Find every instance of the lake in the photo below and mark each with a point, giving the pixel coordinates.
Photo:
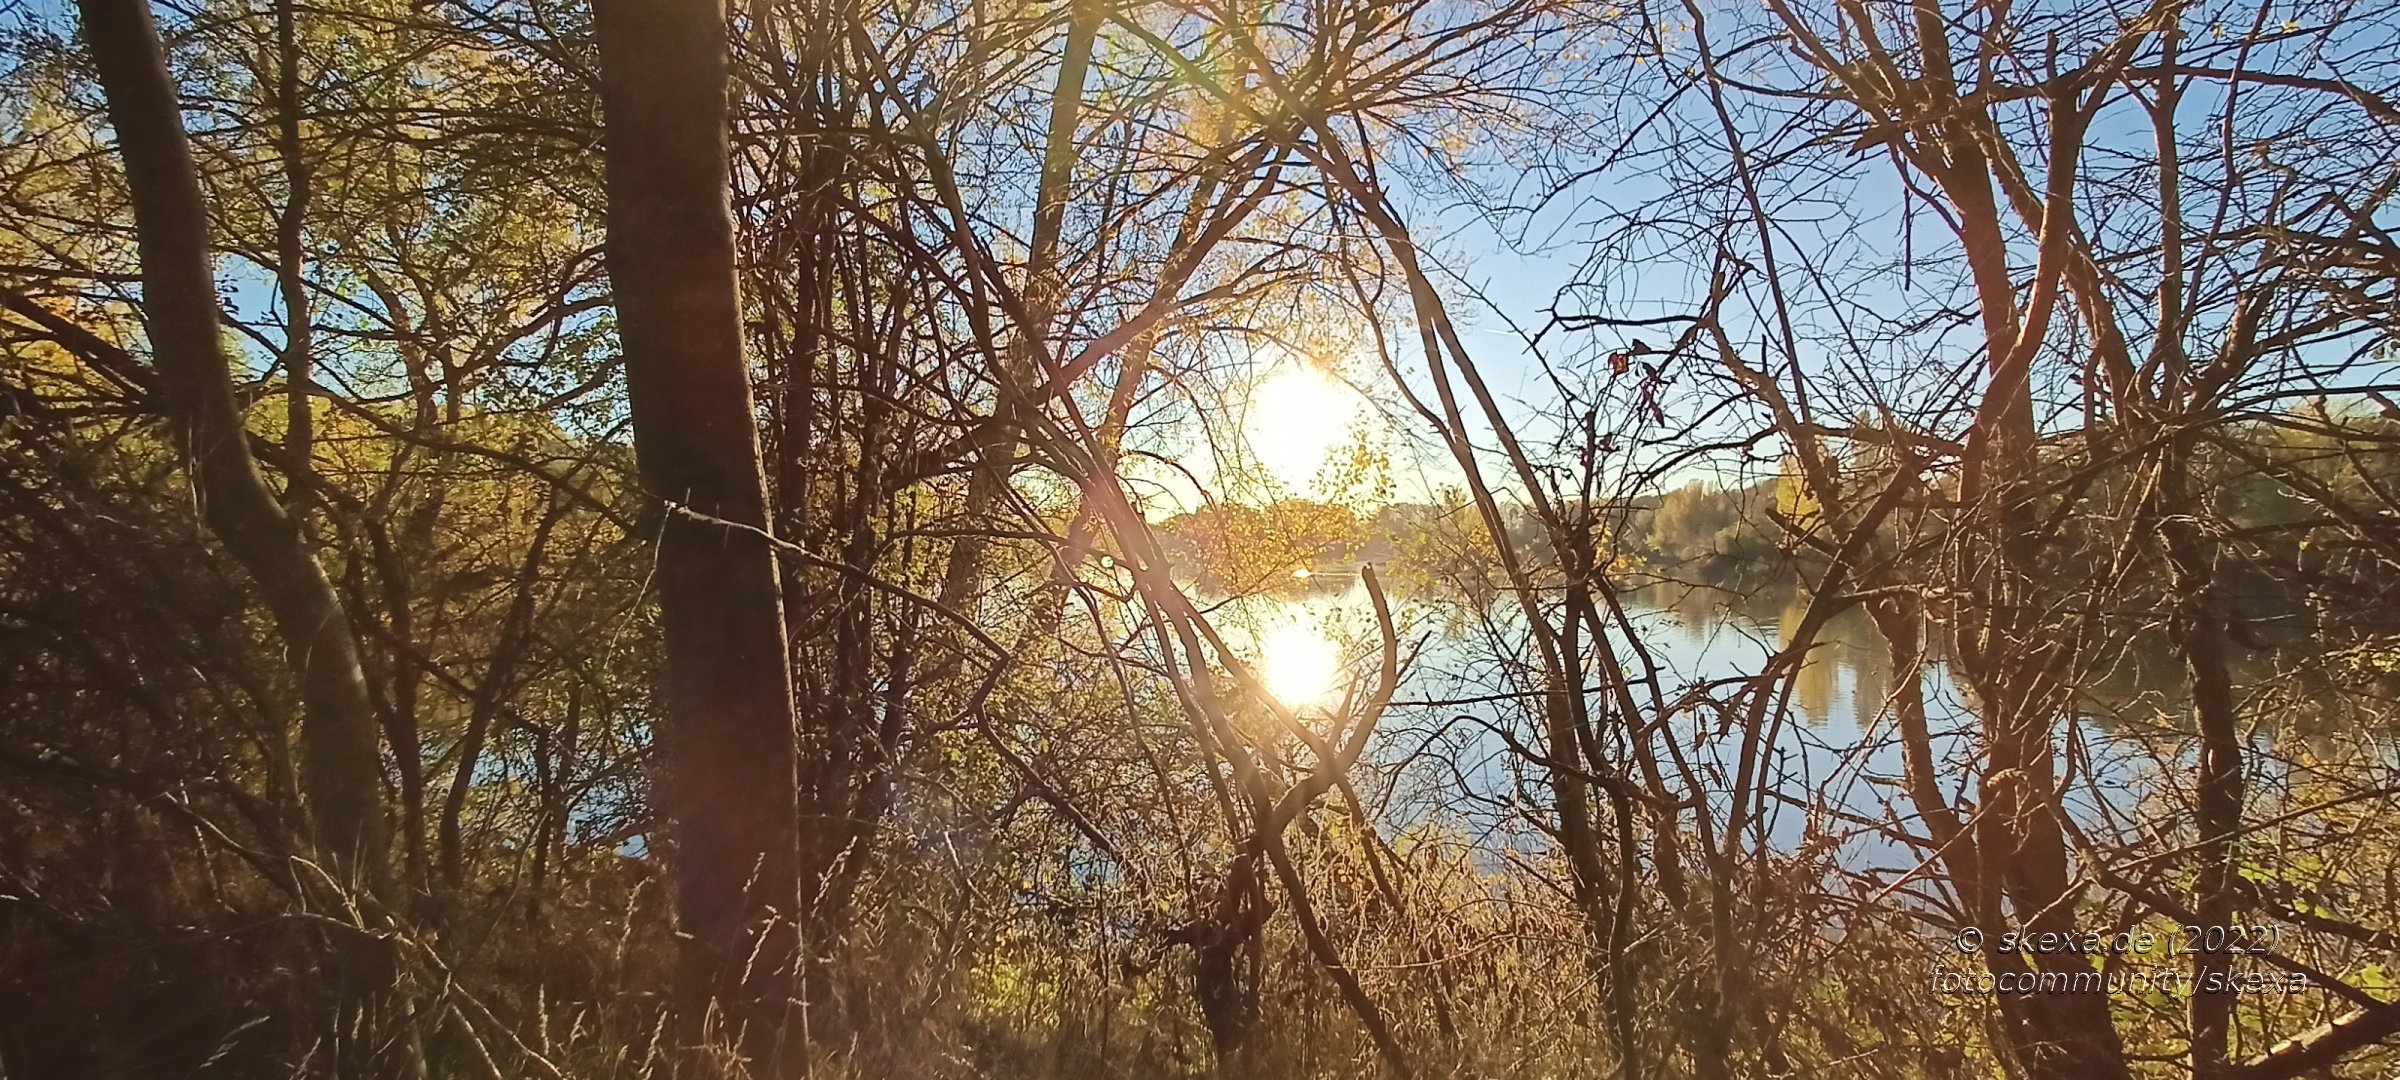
(1443, 752)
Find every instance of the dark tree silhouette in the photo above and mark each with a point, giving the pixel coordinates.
(729, 775)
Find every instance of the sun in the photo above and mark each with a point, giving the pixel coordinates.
(1296, 417)
(1300, 665)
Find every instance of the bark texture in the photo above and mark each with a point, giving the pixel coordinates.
(728, 783)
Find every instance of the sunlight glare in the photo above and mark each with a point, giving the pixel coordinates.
(1297, 417)
(1301, 667)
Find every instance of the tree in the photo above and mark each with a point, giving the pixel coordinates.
(953, 747)
(341, 769)
(728, 781)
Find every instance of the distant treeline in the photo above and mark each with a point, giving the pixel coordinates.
(1761, 536)
(1699, 534)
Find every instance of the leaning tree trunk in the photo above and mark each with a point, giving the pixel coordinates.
(341, 766)
(728, 784)
(340, 762)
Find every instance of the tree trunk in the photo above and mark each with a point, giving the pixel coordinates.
(341, 769)
(728, 782)
(2197, 627)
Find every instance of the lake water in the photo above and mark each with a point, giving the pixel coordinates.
(1834, 765)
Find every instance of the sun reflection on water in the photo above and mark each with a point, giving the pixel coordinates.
(1300, 665)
